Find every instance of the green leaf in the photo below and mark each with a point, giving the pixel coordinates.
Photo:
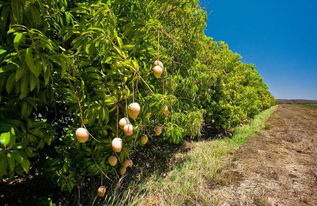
(5, 138)
(25, 163)
(120, 43)
(67, 17)
(97, 29)
(128, 47)
(46, 77)
(24, 86)
(17, 28)
(135, 64)
(2, 51)
(19, 73)
(33, 82)
(11, 162)
(12, 138)
(120, 52)
(25, 109)
(17, 40)
(10, 83)
(108, 59)
(63, 65)
(35, 69)
(87, 47)
(17, 11)
(110, 99)
(35, 13)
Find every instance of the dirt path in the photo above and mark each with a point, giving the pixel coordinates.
(280, 166)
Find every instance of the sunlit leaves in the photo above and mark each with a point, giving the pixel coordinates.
(17, 40)
(5, 138)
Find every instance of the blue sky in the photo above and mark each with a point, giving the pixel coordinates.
(278, 36)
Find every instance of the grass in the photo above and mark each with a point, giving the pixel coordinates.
(313, 106)
(194, 173)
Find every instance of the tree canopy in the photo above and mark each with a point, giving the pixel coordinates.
(66, 64)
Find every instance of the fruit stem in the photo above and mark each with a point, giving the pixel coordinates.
(133, 85)
(93, 157)
(146, 83)
(126, 106)
(82, 120)
(81, 113)
(93, 203)
(91, 134)
(158, 44)
(117, 123)
(163, 83)
(169, 36)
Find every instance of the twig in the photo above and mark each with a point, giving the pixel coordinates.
(93, 157)
(93, 203)
(91, 134)
(145, 83)
(81, 113)
(168, 35)
(117, 120)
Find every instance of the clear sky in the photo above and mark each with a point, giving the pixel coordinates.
(278, 36)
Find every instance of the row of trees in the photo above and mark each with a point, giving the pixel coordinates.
(66, 64)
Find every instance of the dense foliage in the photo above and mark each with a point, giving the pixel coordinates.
(70, 63)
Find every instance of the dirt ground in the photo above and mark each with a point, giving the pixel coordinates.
(279, 167)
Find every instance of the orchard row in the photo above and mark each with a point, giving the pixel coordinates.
(68, 64)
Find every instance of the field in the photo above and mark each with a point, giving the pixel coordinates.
(314, 106)
(296, 101)
(279, 166)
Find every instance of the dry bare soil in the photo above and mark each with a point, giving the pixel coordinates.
(279, 167)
